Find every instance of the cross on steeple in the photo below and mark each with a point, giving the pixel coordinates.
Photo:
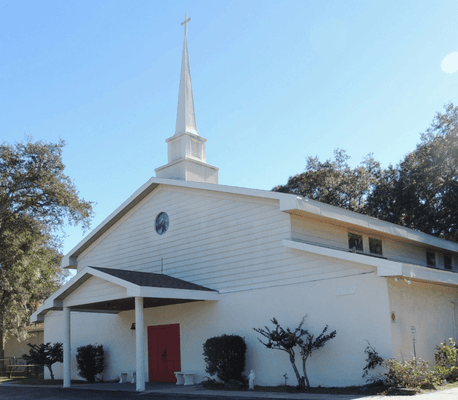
(185, 23)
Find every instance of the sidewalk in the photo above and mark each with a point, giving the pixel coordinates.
(198, 391)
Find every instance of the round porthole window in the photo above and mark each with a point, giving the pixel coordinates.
(162, 223)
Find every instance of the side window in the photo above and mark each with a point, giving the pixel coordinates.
(355, 242)
(447, 261)
(375, 246)
(430, 259)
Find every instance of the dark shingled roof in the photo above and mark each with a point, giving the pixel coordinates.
(151, 280)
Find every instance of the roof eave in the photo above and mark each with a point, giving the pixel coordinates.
(289, 203)
(331, 213)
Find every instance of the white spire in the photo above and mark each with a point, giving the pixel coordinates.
(186, 149)
(186, 118)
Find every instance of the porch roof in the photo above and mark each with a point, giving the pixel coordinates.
(151, 279)
(123, 286)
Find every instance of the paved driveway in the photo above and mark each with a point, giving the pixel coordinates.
(172, 392)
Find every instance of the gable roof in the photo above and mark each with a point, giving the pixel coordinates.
(156, 289)
(150, 279)
(289, 203)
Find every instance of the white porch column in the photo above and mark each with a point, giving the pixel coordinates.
(140, 343)
(67, 342)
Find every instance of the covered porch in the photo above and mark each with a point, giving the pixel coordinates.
(106, 290)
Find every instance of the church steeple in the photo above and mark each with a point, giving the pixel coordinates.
(186, 117)
(186, 149)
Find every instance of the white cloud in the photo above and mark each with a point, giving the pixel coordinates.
(450, 63)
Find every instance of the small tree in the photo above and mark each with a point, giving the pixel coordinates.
(310, 344)
(44, 354)
(286, 340)
(90, 360)
(225, 357)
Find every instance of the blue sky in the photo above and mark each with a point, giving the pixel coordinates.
(274, 82)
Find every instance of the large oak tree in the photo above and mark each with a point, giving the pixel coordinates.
(335, 182)
(421, 192)
(36, 201)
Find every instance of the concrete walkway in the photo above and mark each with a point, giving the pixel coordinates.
(199, 391)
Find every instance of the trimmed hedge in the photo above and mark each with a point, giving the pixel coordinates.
(90, 360)
(225, 357)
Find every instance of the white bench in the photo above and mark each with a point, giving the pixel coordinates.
(125, 375)
(185, 378)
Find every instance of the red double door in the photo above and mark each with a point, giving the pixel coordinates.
(164, 352)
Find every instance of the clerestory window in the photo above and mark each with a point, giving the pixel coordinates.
(431, 259)
(355, 242)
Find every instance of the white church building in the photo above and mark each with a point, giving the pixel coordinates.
(185, 259)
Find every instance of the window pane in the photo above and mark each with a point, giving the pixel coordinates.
(355, 241)
(447, 261)
(375, 246)
(430, 259)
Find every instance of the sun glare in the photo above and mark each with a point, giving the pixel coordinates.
(450, 63)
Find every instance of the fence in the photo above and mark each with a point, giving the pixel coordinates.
(13, 366)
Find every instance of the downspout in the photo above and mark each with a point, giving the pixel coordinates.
(454, 320)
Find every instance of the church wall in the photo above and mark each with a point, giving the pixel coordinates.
(342, 303)
(110, 330)
(430, 309)
(225, 242)
(339, 363)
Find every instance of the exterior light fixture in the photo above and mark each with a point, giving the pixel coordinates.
(132, 327)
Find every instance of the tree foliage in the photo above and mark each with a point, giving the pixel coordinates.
(45, 354)
(421, 192)
(373, 360)
(285, 340)
(446, 358)
(288, 340)
(335, 182)
(36, 200)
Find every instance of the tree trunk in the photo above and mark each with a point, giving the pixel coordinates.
(50, 371)
(2, 342)
(304, 360)
(292, 359)
(2, 346)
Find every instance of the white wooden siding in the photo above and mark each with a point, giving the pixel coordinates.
(94, 290)
(222, 241)
(313, 231)
(325, 234)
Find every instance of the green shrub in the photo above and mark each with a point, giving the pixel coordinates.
(90, 360)
(411, 374)
(373, 360)
(225, 357)
(446, 360)
(414, 373)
